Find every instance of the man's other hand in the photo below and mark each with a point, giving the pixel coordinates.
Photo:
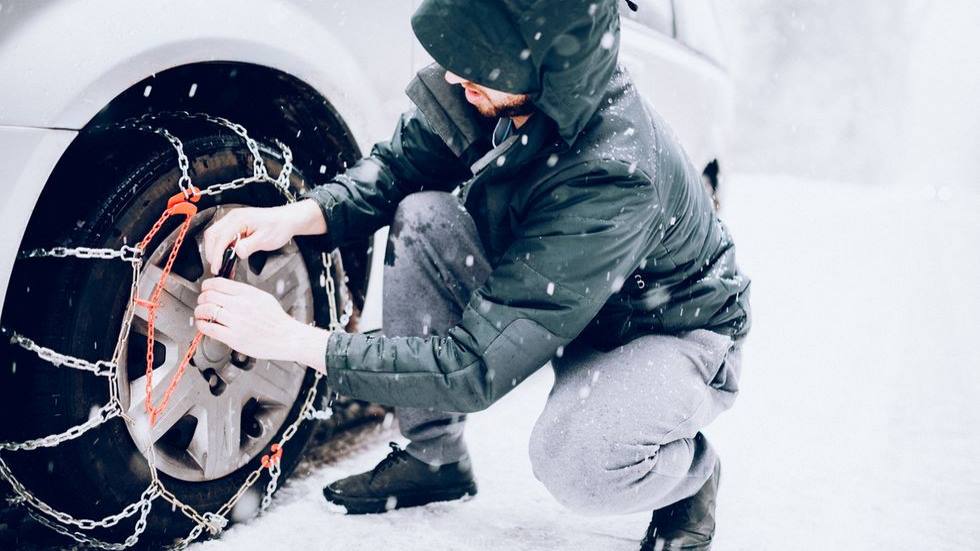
(252, 322)
(262, 229)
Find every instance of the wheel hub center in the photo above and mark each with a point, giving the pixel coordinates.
(212, 353)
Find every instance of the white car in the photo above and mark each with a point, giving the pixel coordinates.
(80, 168)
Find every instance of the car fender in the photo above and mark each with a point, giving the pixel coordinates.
(59, 73)
(693, 94)
(63, 83)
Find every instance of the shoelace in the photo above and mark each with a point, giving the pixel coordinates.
(396, 455)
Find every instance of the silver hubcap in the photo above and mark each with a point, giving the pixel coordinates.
(227, 407)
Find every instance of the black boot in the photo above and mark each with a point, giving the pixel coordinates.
(399, 481)
(688, 524)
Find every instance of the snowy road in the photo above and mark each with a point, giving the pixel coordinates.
(858, 425)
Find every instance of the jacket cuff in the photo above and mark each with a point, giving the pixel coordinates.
(336, 361)
(326, 196)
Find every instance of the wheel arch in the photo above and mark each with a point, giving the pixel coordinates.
(269, 103)
(68, 81)
(96, 80)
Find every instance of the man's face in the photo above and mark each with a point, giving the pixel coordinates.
(492, 103)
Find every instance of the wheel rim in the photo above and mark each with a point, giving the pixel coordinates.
(227, 407)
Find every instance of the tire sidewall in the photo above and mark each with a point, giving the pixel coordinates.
(111, 466)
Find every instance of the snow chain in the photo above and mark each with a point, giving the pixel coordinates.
(213, 522)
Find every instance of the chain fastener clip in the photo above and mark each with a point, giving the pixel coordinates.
(187, 197)
(270, 459)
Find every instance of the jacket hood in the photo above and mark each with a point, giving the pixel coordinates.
(560, 52)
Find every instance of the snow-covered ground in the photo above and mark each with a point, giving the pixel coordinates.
(858, 425)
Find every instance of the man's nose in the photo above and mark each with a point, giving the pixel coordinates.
(453, 78)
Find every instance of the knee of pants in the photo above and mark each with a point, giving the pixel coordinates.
(588, 471)
(418, 212)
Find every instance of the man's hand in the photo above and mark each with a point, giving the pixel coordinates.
(262, 229)
(252, 322)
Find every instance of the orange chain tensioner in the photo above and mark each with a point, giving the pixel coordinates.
(180, 204)
(268, 460)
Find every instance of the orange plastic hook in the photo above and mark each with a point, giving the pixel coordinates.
(269, 459)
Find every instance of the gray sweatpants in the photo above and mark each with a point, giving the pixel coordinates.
(620, 430)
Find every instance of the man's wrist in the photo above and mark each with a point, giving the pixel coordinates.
(307, 217)
(310, 345)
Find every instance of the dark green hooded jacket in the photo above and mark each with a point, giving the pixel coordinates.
(595, 222)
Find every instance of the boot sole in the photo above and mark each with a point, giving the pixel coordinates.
(374, 505)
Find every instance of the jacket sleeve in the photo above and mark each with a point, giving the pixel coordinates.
(579, 240)
(363, 199)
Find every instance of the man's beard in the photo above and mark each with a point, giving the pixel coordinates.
(517, 107)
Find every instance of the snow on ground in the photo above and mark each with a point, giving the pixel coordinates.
(858, 425)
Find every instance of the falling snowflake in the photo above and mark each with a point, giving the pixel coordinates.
(617, 284)
(608, 40)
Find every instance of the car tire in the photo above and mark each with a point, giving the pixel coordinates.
(76, 307)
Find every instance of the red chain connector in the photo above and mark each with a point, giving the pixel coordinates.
(269, 459)
(179, 204)
(192, 195)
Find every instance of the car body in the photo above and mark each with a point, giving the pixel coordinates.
(63, 62)
(325, 78)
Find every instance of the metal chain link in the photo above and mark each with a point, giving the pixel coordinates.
(25, 496)
(328, 283)
(270, 488)
(99, 416)
(214, 522)
(178, 505)
(141, 523)
(101, 368)
(123, 339)
(258, 165)
(139, 124)
(237, 183)
(125, 253)
(319, 414)
(282, 181)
